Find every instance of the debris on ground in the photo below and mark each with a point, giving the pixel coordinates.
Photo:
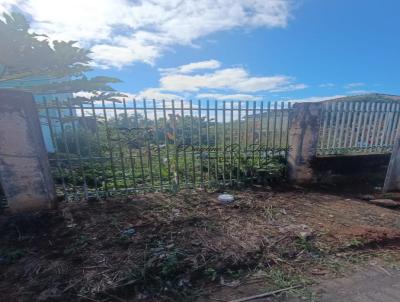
(225, 198)
(390, 203)
(176, 247)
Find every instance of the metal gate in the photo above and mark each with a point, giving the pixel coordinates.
(358, 127)
(111, 146)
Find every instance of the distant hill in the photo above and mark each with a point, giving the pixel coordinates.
(372, 97)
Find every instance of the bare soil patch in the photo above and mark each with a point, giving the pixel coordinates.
(163, 247)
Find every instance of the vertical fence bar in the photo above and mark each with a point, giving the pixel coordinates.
(267, 138)
(78, 147)
(208, 141)
(139, 147)
(131, 160)
(281, 128)
(342, 123)
(147, 139)
(246, 129)
(274, 133)
(325, 112)
(191, 141)
(260, 147)
(239, 146)
(328, 147)
(200, 144)
(370, 126)
(360, 124)
(375, 125)
(184, 143)
(66, 146)
(364, 130)
(216, 139)
(55, 144)
(223, 142)
(391, 124)
(157, 143)
(396, 124)
(110, 149)
(336, 127)
(90, 152)
(347, 127)
(355, 114)
(121, 153)
(177, 177)
(253, 135)
(166, 142)
(385, 126)
(231, 148)
(105, 176)
(287, 133)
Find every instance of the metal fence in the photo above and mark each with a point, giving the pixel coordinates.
(107, 147)
(359, 127)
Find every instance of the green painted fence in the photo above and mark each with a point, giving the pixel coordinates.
(119, 147)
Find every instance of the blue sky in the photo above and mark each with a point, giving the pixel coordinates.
(254, 49)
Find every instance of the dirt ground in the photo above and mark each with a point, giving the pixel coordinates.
(188, 247)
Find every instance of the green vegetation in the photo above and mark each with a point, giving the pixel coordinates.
(62, 65)
(130, 151)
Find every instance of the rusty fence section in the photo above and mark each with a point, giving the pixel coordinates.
(116, 147)
(359, 127)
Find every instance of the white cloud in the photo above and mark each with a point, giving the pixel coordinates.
(230, 97)
(191, 67)
(156, 94)
(235, 79)
(191, 81)
(6, 6)
(357, 84)
(121, 32)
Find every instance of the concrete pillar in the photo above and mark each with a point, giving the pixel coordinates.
(392, 180)
(303, 141)
(24, 167)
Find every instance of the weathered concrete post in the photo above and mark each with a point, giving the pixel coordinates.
(303, 141)
(392, 180)
(24, 167)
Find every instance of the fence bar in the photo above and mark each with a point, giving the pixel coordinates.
(355, 114)
(166, 142)
(139, 147)
(223, 142)
(191, 141)
(176, 176)
(208, 141)
(231, 147)
(200, 143)
(55, 144)
(90, 152)
(131, 160)
(104, 175)
(216, 139)
(157, 142)
(121, 154)
(260, 152)
(239, 146)
(109, 146)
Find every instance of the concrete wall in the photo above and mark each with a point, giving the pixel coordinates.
(392, 181)
(24, 167)
(303, 141)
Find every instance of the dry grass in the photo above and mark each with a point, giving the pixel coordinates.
(161, 247)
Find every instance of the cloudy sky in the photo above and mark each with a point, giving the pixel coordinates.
(231, 49)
